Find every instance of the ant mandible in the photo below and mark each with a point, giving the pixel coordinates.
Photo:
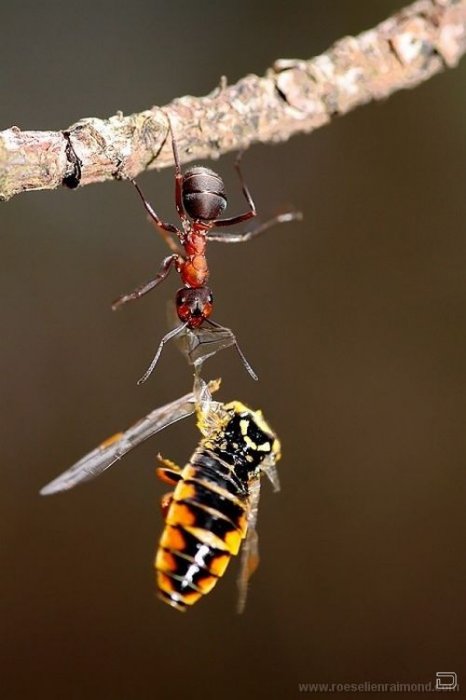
(200, 200)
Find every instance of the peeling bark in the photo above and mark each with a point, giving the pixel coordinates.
(294, 96)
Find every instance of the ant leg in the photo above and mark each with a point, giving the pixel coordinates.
(178, 178)
(165, 339)
(163, 227)
(252, 207)
(244, 236)
(246, 364)
(147, 286)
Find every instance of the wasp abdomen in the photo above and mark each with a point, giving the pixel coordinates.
(205, 525)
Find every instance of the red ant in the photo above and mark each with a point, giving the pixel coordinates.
(200, 199)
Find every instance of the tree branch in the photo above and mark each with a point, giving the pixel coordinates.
(294, 96)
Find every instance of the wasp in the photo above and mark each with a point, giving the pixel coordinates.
(200, 202)
(212, 512)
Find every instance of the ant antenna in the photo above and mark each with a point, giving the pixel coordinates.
(246, 364)
(165, 338)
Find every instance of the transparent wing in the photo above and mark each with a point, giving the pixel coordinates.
(250, 549)
(118, 445)
(200, 344)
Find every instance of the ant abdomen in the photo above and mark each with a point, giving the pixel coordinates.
(203, 194)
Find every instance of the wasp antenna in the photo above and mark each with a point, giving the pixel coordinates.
(164, 340)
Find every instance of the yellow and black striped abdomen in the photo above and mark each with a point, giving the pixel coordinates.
(205, 524)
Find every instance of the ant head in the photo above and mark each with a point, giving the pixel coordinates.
(194, 305)
(203, 194)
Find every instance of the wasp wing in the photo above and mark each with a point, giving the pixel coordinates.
(198, 344)
(250, 549)
(118, 445)
(201, 343)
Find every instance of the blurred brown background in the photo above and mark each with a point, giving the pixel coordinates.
(354, 319)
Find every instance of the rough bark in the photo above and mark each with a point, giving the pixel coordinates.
(294, 96)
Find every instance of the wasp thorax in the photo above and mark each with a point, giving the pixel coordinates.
(203, 194)
(194, 305)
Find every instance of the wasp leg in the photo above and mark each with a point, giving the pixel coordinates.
(169, 473)
(165, 502)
